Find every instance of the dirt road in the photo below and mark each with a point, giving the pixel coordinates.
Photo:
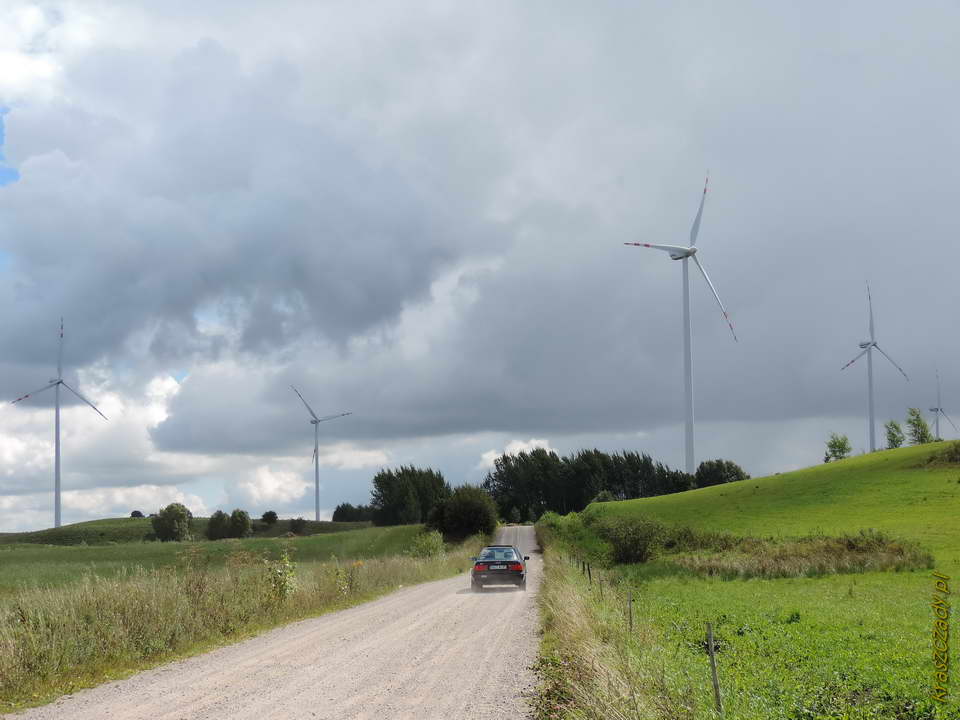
(432, 651)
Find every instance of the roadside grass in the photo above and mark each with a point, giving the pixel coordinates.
(57, 640)
(850, 646)
(124, 530)
(31, 565)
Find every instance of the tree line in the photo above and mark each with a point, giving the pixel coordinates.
(918, 432)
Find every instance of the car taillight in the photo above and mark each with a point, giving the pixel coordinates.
(479, 567)
(516, 566)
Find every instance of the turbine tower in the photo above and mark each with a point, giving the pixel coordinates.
(867, 347)
(315, 421)
(685, 253)
(55, 384)
(938, 411)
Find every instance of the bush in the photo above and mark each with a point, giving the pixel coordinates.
(427, 544)
(172, 523)
(634, 540)
(136, 513)
(298, 525)
(218, 526)
(469, 511)
(604, 496)
(269, 517)
(240, 525)
(717, 472)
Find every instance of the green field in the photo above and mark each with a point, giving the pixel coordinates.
(838, 646)
(121, 530)
(29, 565)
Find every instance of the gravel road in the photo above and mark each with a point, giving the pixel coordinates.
(435, 650)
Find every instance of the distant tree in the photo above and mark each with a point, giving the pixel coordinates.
(894, 434)
(136, 513)
(345, 512)
(172, 523)
(240, 525)
(406, 496)
(468, 511)
(269, 517)
(838, 447)
(218, 526)
(717, 472)
(298, 525)
(513, 516)
(917, 428)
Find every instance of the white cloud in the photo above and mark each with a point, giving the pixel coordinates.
(265, 485)
(514, 447)
(345, 456)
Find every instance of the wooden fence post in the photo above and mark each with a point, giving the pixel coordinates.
(589, 574)
(630, 610)
(713, 669)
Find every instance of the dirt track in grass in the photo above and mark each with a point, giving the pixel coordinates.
(432, 651)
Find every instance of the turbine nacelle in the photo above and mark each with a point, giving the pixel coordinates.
(866, 344)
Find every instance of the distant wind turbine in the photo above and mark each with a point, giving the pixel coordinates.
(55, 384)
(867, 347)
(680, 252)
(316, 447)
(938, 411)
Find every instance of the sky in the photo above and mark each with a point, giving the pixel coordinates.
(417, 214)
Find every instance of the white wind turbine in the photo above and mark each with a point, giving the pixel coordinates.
(680, 252)
(55, 384)
(938, 411)
(867, 347)
(315, 421)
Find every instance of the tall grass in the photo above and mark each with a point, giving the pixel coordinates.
(53, 641)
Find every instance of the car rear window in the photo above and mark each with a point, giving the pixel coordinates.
(498, 554)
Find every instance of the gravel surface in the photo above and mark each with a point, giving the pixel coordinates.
(435, 650)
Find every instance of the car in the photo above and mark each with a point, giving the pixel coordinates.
(499, 565)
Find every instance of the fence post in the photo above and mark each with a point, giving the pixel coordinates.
(600, 585)
(589, 574)
(713, 669)
(630, 609)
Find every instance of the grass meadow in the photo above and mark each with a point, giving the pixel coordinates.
(824, 645)
(77, 616)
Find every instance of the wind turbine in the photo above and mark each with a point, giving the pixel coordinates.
(684, 253)
(316, 447)
(867, 347)
(938, 411)
(55, 384)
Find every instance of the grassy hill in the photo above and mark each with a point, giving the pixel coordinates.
(850, 645)
(31, 564)
(123, 530)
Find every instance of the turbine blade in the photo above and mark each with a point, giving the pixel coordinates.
(309, 409)
(726, 316)
(855, 359)
(949, 420)
(695, 230)
(333, 417)
(24, 397)
(678, 250)
(84, 399)
(891, 361)
(870, 302)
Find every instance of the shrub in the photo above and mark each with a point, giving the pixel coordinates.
(269, 517)
(717, 472)
(137, 514)
(298, 525)
(240, 525)
(218, 526)
(917, 428)
(838, 447)
(172, 523)
(427, 544)
(469, 511)
(633, 540)
(604, 496)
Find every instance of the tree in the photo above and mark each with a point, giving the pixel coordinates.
(468, 511)
(894, 434)
(838, 447)
(345, 512)
(269, 517)
(917, 428)
(717, 472)
(136, 513)
(298, 525)
(172, 523)
(395, 498)
(218, 526)
(240, 525)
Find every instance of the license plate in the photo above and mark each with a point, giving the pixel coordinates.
(498, 567)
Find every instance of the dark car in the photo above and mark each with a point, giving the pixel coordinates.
(499, 565)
